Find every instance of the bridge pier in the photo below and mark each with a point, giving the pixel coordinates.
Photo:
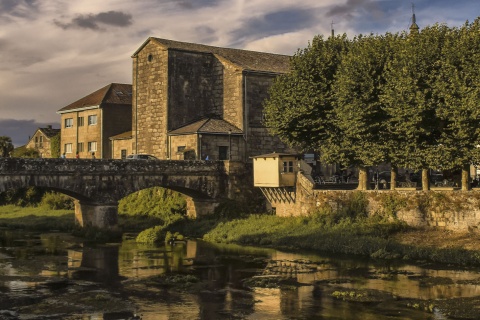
(102, 216)
(200, 207)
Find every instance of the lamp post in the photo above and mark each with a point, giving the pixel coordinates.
(229, 144)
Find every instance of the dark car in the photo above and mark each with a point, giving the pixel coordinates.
(141, 157)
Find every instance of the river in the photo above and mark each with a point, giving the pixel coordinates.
(56, 276)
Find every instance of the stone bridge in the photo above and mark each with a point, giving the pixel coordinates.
(98, 185)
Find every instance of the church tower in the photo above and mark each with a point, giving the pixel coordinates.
(414, 27)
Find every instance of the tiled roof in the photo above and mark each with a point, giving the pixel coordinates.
(122, 136)
(276, 155)
(114, 93)
(212, 126)
(49, 131)
(248, 60)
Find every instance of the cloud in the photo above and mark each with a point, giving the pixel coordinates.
(196, 4)
(18, 8)
(94, 21)
(21, 130)
(274, 23)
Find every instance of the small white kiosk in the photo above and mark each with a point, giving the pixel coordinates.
(275, 174)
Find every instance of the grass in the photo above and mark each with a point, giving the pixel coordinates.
(367, 237)
(36, 218)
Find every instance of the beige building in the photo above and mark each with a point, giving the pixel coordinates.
(121, 145)
(88, 123)
(41, 141)
(275, 170)
(193, 101)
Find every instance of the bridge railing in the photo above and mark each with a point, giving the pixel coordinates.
(46, 166)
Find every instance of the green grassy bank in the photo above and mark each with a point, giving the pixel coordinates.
(156, 213)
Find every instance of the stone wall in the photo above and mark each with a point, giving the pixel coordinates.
(259, 141)
(451, 210)
(193, 90)
(150, 97)
(118, 120)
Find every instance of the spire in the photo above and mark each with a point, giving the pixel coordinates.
(414, 27)
(331, 27)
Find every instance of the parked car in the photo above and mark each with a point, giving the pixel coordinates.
(141, 157)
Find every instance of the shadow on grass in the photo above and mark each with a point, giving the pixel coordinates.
(63, 222)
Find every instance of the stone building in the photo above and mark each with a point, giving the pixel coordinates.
(193, 101)
(41, 141)
(88, 123)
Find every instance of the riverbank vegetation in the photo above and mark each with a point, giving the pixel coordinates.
(156, 213)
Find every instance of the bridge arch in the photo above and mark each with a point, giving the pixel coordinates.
(98, 185)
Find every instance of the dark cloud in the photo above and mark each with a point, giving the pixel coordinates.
(288, 20)
(21, 130)
(347, 9)
(196, 4)
(15, 7)
(95, 21)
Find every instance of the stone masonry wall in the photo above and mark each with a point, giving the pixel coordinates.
(233, 94)
(192, 90)
(259, 141)
(149, 116)
(450, 210)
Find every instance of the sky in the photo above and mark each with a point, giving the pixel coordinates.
(54, 52)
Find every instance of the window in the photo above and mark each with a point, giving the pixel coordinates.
(92, 146)
(36, 142)
(123, 153)
(80, 121)
(69, 123)
(287, 166)
(180, 149)
(68, 148)
(41, 142)
(222, 153)
(80, 147)
(92, 120)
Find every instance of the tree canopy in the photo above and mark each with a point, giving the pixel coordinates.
(6, 146)
(407, 99)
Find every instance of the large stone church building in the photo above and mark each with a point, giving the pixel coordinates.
(193, 101)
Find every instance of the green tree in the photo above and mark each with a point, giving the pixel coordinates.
(412, 122)
(55, 146)
(299, 109)
(457, 93)
(24, 152)
(6, 146)
(359, 114)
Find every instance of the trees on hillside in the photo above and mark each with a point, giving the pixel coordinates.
(407, 99)
(6, 146)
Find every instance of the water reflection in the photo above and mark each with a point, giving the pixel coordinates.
(48, 264)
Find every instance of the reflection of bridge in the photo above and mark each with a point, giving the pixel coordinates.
(98, 185)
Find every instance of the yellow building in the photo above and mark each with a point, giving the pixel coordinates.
(88, 123)
(41, 141)
(275, 170)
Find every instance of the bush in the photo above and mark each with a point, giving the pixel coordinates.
(23, 197)
(151, 235)
(57, 201)
(159, 202)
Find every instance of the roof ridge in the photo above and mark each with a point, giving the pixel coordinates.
(105, 95)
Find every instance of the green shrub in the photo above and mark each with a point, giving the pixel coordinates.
(57, 201)
(155, 201)
(151, 235)
(23, 197)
